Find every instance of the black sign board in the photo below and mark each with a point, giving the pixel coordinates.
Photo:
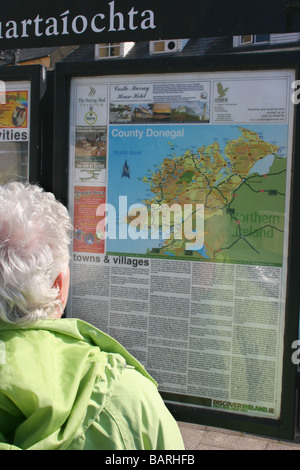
(36, 24)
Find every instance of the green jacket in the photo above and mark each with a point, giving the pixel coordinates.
(66, 385)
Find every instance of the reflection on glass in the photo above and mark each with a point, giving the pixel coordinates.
(13, 161)
(112, 49)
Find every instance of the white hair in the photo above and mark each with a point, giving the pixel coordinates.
(35, 234)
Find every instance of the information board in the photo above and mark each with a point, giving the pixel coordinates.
(14, 130)
(179, 189)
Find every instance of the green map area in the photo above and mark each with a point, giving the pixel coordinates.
(238, 174)
(243, 209)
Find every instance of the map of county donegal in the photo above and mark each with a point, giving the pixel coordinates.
(242, 188)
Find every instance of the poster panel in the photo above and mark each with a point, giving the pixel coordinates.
(14, 131)
(187, 184)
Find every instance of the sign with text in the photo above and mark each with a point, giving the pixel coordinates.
(14, 131)
(64, 22)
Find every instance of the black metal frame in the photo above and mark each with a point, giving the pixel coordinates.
(286, 426)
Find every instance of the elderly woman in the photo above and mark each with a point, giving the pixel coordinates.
(63, 383)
